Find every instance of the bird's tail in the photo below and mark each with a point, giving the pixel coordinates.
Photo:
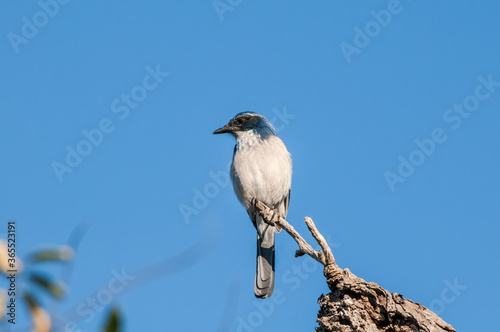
(264, 274)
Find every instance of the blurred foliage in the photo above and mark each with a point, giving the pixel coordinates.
(54, 288)
(37, 285)
(61, 254)
(113, 324)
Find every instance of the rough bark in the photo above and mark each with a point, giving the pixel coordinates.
(354, 304)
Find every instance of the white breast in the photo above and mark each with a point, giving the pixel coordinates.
(262, 169)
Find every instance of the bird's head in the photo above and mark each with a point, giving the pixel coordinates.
(247, 121)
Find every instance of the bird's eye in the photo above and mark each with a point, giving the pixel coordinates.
(238, 121)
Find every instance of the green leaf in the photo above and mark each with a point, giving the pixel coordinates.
(113, 323)
(30, 300)
(56, 289)
(63, 253)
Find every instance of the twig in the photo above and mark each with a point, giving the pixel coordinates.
(321, 240)
(270, 216)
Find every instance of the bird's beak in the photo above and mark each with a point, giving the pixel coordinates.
(223, 130)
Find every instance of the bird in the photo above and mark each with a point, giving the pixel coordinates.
(261, 170)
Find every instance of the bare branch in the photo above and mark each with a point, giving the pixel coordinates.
(274, 219)
(354, 304)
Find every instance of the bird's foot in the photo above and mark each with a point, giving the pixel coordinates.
(271, 216)
(275, 219)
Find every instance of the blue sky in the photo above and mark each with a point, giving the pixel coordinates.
(389, 109)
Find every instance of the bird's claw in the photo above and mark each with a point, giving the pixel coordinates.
(271, 216)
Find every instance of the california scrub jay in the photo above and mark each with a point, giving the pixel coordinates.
(262, 170)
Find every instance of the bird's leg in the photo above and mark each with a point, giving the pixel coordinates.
(276, 218)
(253, 203)
(270, 216)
